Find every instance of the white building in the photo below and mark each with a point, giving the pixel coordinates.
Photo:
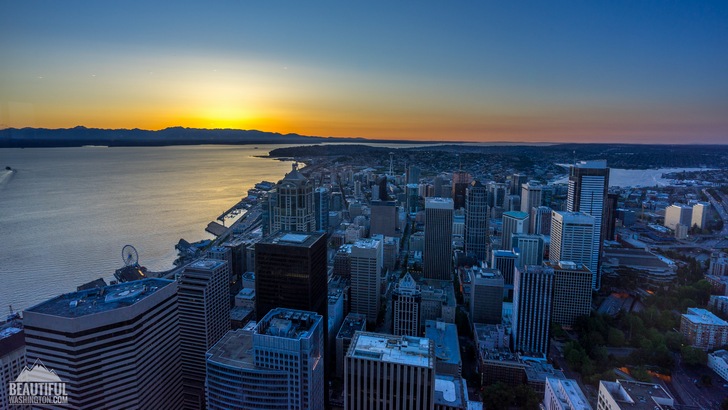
(564, 394)
(389, 372)
(718, 361)
(624, 394)
(514, 222)
(573, 239)
(531, 193)
(704, 330)
(366, 267)
(700, 214)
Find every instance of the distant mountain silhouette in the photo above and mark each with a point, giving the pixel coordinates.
(79, 136)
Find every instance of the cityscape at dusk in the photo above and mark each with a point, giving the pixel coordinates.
(624, 71)
(364, 206)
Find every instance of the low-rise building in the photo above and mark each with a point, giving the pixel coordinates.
(624, 394)
(718, 361)
(447, 347)
(704, 330)
(564, 394)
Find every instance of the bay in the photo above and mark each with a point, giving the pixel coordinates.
(67, 212)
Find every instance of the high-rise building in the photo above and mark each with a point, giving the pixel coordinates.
(532, 304)
(505, 262)
(476, 221)
(572, 239)
(204, 317)
(529, 249)
(610, 216)
(437, 256)
(321, 199)
(700, 214)
(513, 222)
(413, 174)
(413, 198)
(12, 361)
(277, 365)
(572, 292)
(497, 194)
(517, 180)
(460, 182)
(290, 272)
(447, 348)
(292, 204)
(389, 372)
(588, 184)
(366, 270)
(678, 214)
(111, 346)
(383, 218)
(486, 295)
(353, 322)
(703, 329)
(530, 196)
(406, 300)
(540, 220)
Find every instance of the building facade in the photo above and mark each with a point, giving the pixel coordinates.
(572, 239)
(704, 330)
(366, 277)
(532, 306)
(437, 256)
(406, 301)
(291, 204)
(389, 372)
(111, 346)
(514, 222)
(476, 221)
(572, 292)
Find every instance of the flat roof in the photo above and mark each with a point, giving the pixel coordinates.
(407, 350)
(87, 302)
(234, 349)
(639, 395)
(292, 238)
(703, 316)
(573, 394)
(354, 322)
(516, 214)
(206, 264)
(288, 323)
(449, 391)
(445, 337)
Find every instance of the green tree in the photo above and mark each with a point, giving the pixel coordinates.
(616, 337)
(674, 340)
(693, 356)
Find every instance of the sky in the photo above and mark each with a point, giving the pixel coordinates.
(584, 71)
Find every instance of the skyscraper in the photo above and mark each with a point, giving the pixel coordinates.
(460, 182)
(513, 222)
(366, 269)
(322, 198)
(406, 301)
(12, 360)
(572, 239)
(292, 204)
(517, 180)
(383, 218)
(437, 257)
(541, 220)
(204, 317)
(505, 262)
(111, 346)
(389, 372)
(486, 296)
(290, 272)
(588, 184)
(279, 364)
(529, 249)
(572, 292)
(532, 304)
(530, 196)
(476, 221)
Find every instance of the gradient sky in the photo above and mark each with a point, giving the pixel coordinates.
(588, 71)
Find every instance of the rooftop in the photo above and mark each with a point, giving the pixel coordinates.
(516, 214)
(87, 302)
(595, 163)
(568, 393)
(366, 243)
(206, 264)
(354, 322)
(234, 349)
(445, 337)
(439, 203)
(703, 316)
(407, 350)
(292, 239)
(288, 323)
(449, 391)
(638, 395)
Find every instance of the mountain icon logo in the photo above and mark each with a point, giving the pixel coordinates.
(38, 373)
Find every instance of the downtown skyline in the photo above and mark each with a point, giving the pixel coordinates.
(648, 72)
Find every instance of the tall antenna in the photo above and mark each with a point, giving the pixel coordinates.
(391, 163)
